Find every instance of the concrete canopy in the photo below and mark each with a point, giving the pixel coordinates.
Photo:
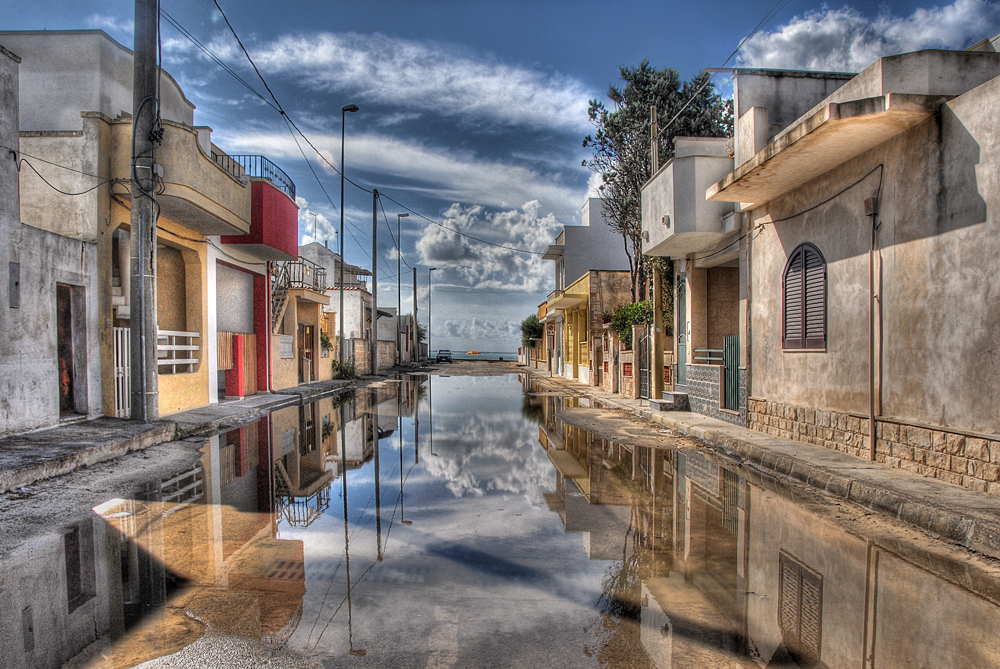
(820, 142)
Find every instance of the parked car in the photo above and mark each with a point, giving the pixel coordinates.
(444, 355)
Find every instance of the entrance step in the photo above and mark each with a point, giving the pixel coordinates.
(671, 402)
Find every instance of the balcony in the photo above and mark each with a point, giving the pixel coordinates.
(274, 221)
(198, 192)
(676, 218)
(307, 281)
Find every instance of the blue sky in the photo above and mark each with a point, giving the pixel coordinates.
(472, 113)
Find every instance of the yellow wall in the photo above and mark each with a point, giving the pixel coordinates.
(180, 392)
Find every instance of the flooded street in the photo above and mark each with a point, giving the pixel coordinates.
(457, 522)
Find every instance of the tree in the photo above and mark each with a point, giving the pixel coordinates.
(531, 328)
(622, 143)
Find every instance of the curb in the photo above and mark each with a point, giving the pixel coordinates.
(156, 433)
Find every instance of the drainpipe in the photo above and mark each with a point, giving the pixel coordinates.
(871, 209)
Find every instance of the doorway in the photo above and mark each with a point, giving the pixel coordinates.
(306, 354)
(64, 349)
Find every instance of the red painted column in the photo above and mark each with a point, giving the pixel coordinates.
(262, 330)
(234, 377)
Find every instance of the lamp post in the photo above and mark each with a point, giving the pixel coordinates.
(340, 314)
(399, 280)
(429, 311)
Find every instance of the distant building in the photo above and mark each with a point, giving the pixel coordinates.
(581, 294)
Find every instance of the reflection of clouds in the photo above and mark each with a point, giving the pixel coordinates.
(485, 450)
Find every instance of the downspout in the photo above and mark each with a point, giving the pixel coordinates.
(871, 209)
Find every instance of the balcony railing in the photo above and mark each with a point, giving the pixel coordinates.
(228, 163)
(259, 166)
(176, 352)
(305, 274)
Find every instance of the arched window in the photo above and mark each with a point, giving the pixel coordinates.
(804, 299)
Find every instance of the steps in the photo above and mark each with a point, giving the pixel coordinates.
(671, 402)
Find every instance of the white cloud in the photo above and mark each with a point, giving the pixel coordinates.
(472, 263)
(442, 78)
(845, 40)
(115, 26)
(450, 175)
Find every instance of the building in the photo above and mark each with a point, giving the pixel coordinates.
(833, 285)
(221, 219)
(581, 252)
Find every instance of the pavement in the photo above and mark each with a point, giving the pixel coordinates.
(964, 517)
(43, 454)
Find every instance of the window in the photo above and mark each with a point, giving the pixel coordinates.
(800, 610)
(804, 301)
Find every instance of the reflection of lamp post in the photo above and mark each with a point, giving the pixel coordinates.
(340, 315)
(429, 310)
(430, 409)
(347, 538)
(378, 493)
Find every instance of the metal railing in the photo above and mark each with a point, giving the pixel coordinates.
(303, 273)
(171, 354)
(259, 166)
(709, 356)
(227, 163)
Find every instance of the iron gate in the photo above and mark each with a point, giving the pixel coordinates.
(642, 352)
(680, 327)
(123, 382)
(731, 360)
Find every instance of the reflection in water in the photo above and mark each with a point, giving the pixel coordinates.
(521, 541)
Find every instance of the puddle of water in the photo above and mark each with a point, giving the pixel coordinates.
(456, 521)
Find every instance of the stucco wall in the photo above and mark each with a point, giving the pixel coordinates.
(939, 240)
(29, 384)
(68, 71)
(235, 300)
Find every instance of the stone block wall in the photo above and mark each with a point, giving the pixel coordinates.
(971, 461)
(703, 394)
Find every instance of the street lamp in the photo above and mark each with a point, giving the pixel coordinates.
(340, 314)
(429, 311)
(399, 280)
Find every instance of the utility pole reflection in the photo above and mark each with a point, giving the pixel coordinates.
(347, 539)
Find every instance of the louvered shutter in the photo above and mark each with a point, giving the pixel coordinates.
(800, 609)
(793, 336)
(804, 306)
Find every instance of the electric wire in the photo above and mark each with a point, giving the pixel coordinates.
(778, 6)
(278, 107)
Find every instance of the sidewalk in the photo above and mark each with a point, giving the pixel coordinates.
(43, 454)
(959, 515)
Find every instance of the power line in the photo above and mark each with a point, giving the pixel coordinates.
(777, 7)
(278, 107)
(397, 244)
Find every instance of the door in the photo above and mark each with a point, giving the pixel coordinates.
(642, 354)
(64, 348)
(680, 327)
(306, 354)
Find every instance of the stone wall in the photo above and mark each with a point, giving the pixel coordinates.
(965, 459)
(703, 394)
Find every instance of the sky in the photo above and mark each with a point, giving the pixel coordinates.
(472, 114)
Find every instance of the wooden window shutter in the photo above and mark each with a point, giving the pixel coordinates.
(800, 609)
(804, 299)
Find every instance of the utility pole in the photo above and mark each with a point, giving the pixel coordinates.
(145, 398)
(374, 341)
(399, 281)
(416, 339)
(654, 131)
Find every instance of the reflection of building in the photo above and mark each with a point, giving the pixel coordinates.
(717, 570)
(203, 540)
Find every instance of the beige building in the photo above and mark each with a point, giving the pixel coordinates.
(837, 275)
(221, 220)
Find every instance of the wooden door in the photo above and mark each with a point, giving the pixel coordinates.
(306, 353)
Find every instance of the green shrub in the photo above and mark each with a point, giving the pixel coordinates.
(627, 315)
(343, 371)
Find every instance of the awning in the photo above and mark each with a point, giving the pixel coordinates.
(828, 138)
(553, 252)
